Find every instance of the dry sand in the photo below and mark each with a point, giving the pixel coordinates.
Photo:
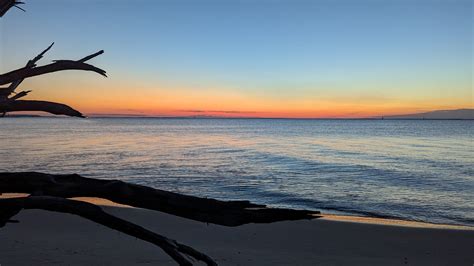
(47, 238)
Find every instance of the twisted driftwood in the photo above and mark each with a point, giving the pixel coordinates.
(227, 213)
(50, 192)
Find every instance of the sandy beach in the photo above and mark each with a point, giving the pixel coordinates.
(47, 238)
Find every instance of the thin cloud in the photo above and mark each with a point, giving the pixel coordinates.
(218, 111)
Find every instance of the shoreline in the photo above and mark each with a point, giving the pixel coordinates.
(323, 216)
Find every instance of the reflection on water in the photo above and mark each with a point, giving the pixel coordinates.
(421, 170)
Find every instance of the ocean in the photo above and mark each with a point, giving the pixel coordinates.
(420, 170)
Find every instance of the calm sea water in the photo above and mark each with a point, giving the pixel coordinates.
(416, 170)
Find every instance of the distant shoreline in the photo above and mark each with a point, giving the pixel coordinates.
(457, 114)
(232, 118)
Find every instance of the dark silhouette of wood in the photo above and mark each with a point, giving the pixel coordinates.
(58, 65)
(227, 213)
(15, 77)
(30, 64)
(49, 107)
(5, 5)
(10, 207)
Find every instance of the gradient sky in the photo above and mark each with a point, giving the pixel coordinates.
(339, 58)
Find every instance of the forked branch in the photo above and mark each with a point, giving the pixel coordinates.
(15, 77)
(58, 65)
(178, 251)
(31, 63)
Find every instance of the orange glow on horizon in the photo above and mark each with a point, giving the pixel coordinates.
(94, 96)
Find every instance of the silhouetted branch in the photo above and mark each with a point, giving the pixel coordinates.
(91, 56)
(10, 207)
(228, 213)
(19, 95)
(59, 65)
(29, 70)
(43, 106)
(17, 76)
(5, 5)
(30, 64)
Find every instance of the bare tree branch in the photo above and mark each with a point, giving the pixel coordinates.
(42, 106)
(5, 5)
(59, 65)
(31, 63)
(90, 56)
(17, 76)
(10, 207)
(227, 213)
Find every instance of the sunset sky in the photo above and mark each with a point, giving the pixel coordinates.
(262, 58)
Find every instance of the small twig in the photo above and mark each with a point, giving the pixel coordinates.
(32, 62)
(90, 56)
(19, 95)
(16, 5)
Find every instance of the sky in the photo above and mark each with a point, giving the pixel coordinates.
(249, 58)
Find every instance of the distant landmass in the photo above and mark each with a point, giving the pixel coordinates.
(458, 114)
(438, 114)
(21, 115)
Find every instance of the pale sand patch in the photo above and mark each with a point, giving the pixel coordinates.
(98, 201)
(393, 222)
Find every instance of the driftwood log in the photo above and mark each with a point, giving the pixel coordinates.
(227, 213)
(53, 192)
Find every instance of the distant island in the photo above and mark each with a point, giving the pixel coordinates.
(21, 115)
(464, 114)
